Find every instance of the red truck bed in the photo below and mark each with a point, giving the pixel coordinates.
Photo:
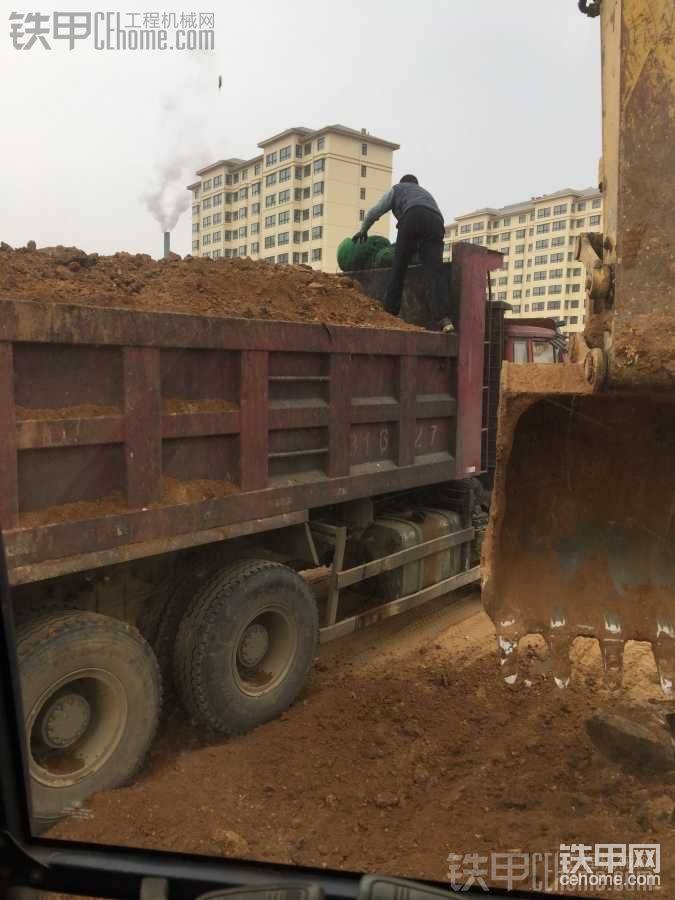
(117, 424)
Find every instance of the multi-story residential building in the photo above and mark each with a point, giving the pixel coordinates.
(294, 202)
(539, 276)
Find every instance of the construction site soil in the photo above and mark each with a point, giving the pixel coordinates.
(241, 288)
(406, 747)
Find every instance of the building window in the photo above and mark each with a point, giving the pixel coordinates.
(581, 204)
(516, 295)
(269, 241)
(307, 148)
(558, 242)
(195, 193)
(517, 279)
(217, 218)
(557, 257)
(305, 257)
(255, 188)
(317, 232)
(206, 221)
(270, 221)
(255, 248)
(317, 187)
(235, 178)
(543, 227)
(271, 159)
(596, 203)
(505, 236)
(362, 194)
(283, 238)
(207, 185)
(297, 236)
(305, 215)
(538, 307)
(555, 273)
(463, 229)
(574, 320)
(520, 233)
(195, 245)
(555, 288)
(255, 209)
(306, 192)
(243, 231)
(298, 172)
(255, 228)
(518, 263)
(541, 245)
(362, 215)
(478, 226)
(560, 225)
(580, 223)
(503, 281)
(576, 288)
(501, 295)
(282, 259)
(195, 227)
(195, 209)
(285, 153)
(316, 254)
(206, 203)
(242, 250)
(364, 171)
(298, 150)
(519, 248)
(594, 220)
(206, 239)
(270, 200)
(285, 174)
(504, 250)
(522, 218)
(305, 236)
(544, 212)
(571, 304)
(539, 276)
(228, 235)
(319, 165)
(285, 196)
(364, 149)
(541, 260)
(560, 210)
(553, 304)
(284, 217)
(320, 142)
(270, 179)
(317, 210)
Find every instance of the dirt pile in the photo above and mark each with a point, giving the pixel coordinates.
(390, 764)
(221, 287)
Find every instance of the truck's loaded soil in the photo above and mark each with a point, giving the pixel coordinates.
(398, 758)
(222, 287)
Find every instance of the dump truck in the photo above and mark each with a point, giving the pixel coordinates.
(165, 479)
(581, 539)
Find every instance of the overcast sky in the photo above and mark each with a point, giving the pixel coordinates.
(492, 101)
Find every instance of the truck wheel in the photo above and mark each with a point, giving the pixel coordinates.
(160, 619)
(246, 645)
(91, 695)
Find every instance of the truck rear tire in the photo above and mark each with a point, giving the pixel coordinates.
(246, 645)
(91, 694)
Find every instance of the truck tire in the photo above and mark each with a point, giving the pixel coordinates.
(246, 645)
(160, 619)
(91, 692)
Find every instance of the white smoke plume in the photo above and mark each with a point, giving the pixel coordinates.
(187, 118)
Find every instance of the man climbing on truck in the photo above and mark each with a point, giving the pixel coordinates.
(420, 229)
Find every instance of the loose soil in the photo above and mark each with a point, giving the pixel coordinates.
(233, 287)
(407, 746)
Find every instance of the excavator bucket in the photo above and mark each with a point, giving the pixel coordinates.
(581, 540)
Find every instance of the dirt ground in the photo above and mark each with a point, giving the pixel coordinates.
(223, 287)
(406, 746)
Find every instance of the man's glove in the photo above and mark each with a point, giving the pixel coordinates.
(360, 237)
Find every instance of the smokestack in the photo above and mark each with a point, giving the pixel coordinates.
(167, 244)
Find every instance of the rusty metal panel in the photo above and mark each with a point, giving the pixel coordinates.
(9, 479)
(143, 435)
(253, 439)
(469, 282)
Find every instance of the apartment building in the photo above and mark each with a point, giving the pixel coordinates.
(539, 276)
(295, 201)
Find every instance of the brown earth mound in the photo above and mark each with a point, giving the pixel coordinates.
(222, 287)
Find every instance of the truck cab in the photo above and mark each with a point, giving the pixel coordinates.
(534, 341)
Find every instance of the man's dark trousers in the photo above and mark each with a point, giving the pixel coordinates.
(420, 230)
